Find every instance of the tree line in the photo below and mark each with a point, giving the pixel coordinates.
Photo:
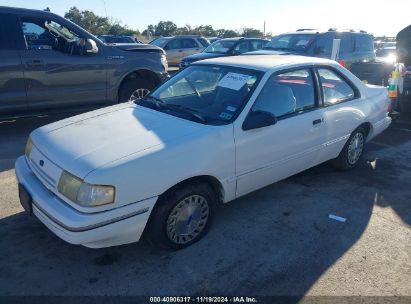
(98, 25)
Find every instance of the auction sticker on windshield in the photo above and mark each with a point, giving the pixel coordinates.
(233, 81)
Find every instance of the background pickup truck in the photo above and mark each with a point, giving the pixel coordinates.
(50, 64)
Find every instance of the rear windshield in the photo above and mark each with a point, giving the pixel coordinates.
(292, 42)
(221, 46)
(159, 42)
(118, 40)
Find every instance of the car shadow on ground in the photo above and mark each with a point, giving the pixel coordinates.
(275, 241)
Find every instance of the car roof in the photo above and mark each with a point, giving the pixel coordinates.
(240, 38)
(265, 62)
(18, 10)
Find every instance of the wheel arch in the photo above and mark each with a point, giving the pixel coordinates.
(139, 73)
(212, 181)
(367, 127)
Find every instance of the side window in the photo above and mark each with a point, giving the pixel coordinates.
(287, 93)
(346, 45)
(256, 45)
(173, 44)
(324, 44)
(203, 42)
(364, 43)
(242, 47)
(8, 35)
(42, 34)
(335, 88)
(189, 43)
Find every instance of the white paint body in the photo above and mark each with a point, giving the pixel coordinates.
(143, 153)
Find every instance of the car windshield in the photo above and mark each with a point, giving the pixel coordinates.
(293, 42)
(221, 46)
(159, 42)
(205, 94)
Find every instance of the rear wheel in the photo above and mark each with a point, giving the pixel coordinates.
(351, 154)
(182, 217)
(134, 89)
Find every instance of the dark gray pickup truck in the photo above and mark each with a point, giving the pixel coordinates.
(49, 64)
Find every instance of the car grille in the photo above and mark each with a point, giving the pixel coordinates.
(44, 169)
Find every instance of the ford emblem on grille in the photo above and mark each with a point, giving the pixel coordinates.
(41, 162)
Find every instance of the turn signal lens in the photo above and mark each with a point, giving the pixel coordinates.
(29, 146)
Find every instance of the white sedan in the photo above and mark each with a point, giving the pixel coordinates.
(215, 131)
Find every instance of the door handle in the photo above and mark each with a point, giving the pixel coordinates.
(318, 121)
(35, 62)
(180, 51)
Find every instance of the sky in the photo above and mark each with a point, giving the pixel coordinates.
(379, 17)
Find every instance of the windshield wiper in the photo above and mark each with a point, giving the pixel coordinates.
(160, 104)
(153, 100)
(193, 113)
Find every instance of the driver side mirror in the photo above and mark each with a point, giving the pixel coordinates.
(259, 119)
(91, 46)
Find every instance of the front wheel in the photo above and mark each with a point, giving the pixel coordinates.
(134, 89)
(351, 154)
(182, 217)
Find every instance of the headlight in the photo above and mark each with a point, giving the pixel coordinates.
(85, 194)
(29, 146)
(164, 61)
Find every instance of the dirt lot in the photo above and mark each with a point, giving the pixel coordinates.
(276, 241)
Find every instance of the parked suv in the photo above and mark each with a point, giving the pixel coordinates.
(178, 47)
(49, 63)
(226, 47)
(355, 46)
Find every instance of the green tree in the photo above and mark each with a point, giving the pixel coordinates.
(205, 30)
(165, 28)
(250, 32)
(97, 25)
(224, 33)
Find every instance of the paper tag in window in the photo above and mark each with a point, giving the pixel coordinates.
(233, 81)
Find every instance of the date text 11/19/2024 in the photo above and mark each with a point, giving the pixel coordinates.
(203, 299)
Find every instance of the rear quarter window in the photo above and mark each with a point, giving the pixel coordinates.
(203, 42)
(335, 88)
(9, 37)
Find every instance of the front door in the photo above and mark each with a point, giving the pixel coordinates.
(293, 144)
(174, 51)
(12, 90)
(58, 70)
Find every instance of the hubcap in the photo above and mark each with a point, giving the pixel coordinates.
(187, 219)
(355, 148)
(138, 94)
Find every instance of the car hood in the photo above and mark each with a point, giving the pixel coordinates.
(86, 142)
(269, 52)
(201, 56)
(136, 47)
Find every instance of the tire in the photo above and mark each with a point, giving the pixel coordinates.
(137, 86)
(164, 229)
(347, 159)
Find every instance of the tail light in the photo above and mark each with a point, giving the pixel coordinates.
(342, 63)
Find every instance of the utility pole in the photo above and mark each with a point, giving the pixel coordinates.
(264, 28)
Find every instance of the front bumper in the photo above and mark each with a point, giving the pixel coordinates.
(95, 230)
